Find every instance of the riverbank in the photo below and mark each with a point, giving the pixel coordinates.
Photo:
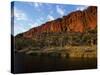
(66, 51)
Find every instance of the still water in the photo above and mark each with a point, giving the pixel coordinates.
(27, 63)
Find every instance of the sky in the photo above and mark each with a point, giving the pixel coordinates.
(32, 14)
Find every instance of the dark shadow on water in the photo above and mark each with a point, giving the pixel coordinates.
(30, 63)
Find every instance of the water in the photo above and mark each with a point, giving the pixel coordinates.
(28, 63)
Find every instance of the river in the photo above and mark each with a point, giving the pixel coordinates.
(27, 63)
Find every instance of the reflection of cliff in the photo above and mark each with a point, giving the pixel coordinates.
(78, 21)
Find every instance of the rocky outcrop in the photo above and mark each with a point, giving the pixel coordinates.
(78, 21)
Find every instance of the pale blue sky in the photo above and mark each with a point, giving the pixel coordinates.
(31, 14)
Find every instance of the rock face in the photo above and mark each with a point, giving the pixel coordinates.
(78, 21)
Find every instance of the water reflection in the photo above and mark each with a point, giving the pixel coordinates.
(33, 63)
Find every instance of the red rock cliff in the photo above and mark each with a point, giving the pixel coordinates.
(78, 21)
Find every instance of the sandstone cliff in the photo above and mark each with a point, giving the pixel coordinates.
(77, 21)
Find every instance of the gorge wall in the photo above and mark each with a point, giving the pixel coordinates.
(77, 21)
